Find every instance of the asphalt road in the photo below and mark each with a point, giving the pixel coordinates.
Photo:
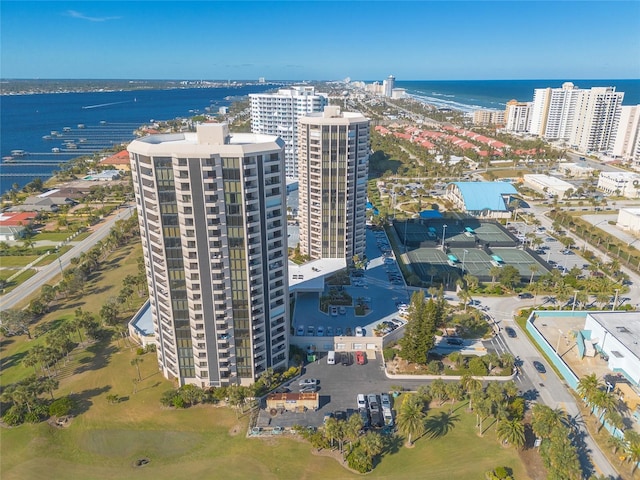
(48, 272)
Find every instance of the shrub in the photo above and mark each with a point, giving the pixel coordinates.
(14, 416)
(389, 354)
(61, 407)
(140, 351)
(477, 366)
(178, 402)
(359, 460)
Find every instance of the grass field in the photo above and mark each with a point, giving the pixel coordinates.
(103, 441)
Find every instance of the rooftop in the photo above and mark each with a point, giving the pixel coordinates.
(624, 326)
(479, 196)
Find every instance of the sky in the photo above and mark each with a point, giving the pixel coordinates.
(320, 40)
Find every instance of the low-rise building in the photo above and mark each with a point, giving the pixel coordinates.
(574, 169)
(547, 184)
(629, 220)
(624, 184)
(481, 199)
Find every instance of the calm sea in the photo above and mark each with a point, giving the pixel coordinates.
(108, 118)
(469, 95)
(111, 117)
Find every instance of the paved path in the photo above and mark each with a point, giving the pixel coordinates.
(48, 272)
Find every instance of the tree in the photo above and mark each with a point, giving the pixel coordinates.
(61, 407)
(587, 386)
(411, 419)
(494, 271)
(136, 363)
(191, 394)
(15, 322)
(546, 419)
(483, 408)
(419, 335)
(512, 432)
(509, 276)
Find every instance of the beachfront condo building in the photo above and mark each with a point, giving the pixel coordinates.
(212, 213)
(388, 85)
(553, 111)
(627, 142)
(278, 114)
(517, 116)
(333, 156)
(596, 119)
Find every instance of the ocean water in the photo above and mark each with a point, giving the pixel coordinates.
(469, 95)
(111, 117)
(108, 117)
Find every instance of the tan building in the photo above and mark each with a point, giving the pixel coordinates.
(333, 167)
(488, 117)
(212, 213)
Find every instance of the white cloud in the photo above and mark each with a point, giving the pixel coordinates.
(81, 16)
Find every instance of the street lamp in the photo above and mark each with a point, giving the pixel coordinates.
(575, 298)
(59, 261)
(464, 256)
(615, 300)
(444, 231)
(558, 344)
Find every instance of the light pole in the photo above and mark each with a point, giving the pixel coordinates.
(575, 298)
(60, 261)
(615, 300)
(444, 232)
(464, 256)
(558, 344)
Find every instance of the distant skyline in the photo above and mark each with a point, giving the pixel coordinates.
(320, 40)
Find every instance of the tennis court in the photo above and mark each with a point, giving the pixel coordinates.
(428, 262)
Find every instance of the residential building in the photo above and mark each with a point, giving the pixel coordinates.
(597, 114)
(333, 164)
(624, 184)
(626, 144)
(547, 184)
(388, 85)
(572, 169)
(212, 213)
(553, 110)
(488, 117)
(481, 199)
(517, 116)
(278, 114)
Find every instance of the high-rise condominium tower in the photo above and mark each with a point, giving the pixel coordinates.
(333, 156)
(213, 224)
(278, 114)
(597, 118)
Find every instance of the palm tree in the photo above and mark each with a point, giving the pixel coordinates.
(483, 408)
(371, 444)
(511, 431)
(455, 392)
(546, 419)
(494, 271)
(136, 363)
(632, 451)
(587, 387)
(533, 268)
(411, 419)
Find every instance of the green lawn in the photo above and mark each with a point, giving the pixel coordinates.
(52, 236)
(103, 440)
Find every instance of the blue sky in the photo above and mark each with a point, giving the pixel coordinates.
(323, 40)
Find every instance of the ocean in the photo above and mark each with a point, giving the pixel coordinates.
(111, 117)
(469, 95)
(107, 118)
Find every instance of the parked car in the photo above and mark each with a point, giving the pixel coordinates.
(309, 389)
(342, 310)
(338, 331)
(385, 401)
(539, 367)
(361, 401)
(334, 311)
(300, 331)
(360, 358)
(311, 330)
(359, 332)
(308, 382)
(347, 359)
(320, 331)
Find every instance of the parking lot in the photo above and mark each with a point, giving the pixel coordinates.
(338, 387)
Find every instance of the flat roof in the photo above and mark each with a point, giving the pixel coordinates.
(479, 196)
(623, 326)
(547, 180)
(309, 277)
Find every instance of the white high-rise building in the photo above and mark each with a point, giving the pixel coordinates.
(518, 116)
(334, 162)
(278, 114)
(597, 114)
(212, 212)
(627, 139)
(553, 110)
(388, 85)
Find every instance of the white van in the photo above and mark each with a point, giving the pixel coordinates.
(331, 358)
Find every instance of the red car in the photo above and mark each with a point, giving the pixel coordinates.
(360, 358)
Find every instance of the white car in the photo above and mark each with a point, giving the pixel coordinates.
(320, 331)
(362, 403)
(343, 311)
(308, 382)
(334, 311)
(300, 331)
(359, 332)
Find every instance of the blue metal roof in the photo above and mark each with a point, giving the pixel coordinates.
(480, 196)
(430, 214)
